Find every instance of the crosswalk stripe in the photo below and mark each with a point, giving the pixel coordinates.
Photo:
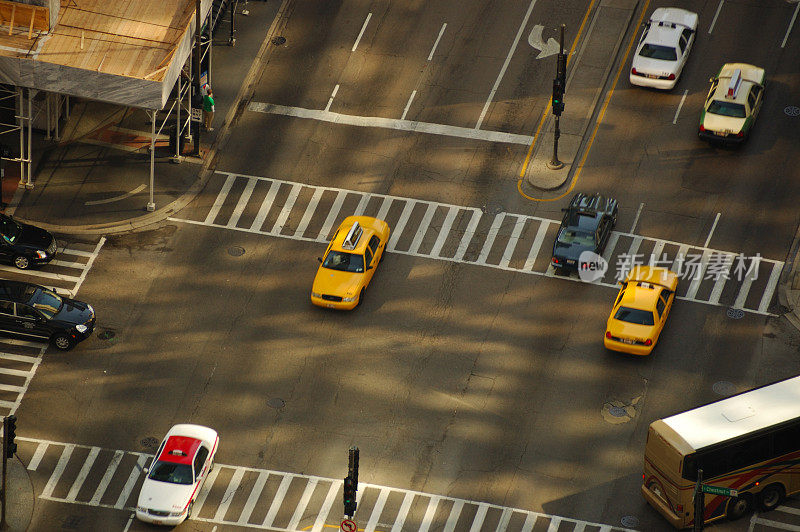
(300, 509)
(255, 493)
(537, 244)
(423, 228)
(19, 358)
(452, 212)
(655, 256)
(386, 204)
(322, 516)
(722, 277)
(11, 388)
(133, 476)
(772, 282)
(58, 471)
(242, 203)
(82, 474)
(9, 404)
(788, 510)
(67, 264)
(744, 290)
(306, 219)
(452, 519)
(334, 212)
(487, 244)
(106, 480)
(530, 520)
(555, 522)
(633, 250)
(377, 510)
(77, 252)
(15, 372)
(287, 209)
(266, 204)
(277, 501)
(677, 264)
(227, 498)
(605, 528)
(480, 515)
(512, 242)
(220, 199)
(505, 517)
(44, 274)
(698, 275)
(468, 234)
(579, 527)
(775, 524)
(37, 456)
(610, 245)
(403, 513)
(362, 205)
(200, 500)
(400, 225)
(429, 513)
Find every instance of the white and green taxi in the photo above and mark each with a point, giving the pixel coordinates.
(732, 103)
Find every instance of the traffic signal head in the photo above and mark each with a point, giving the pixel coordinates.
(352, 467)
(561, 67)
(558, 97)
(350, 488)
(9, 434)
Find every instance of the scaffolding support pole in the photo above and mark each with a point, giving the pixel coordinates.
(30, 137)
(47, 103)
(151, 206)
(21, 137)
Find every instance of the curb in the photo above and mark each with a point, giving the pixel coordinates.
(209, 164)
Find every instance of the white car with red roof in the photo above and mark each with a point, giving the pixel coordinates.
(176, 475)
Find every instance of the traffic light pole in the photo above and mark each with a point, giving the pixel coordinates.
(559, 87)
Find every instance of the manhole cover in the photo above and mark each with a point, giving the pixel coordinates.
(277, 41)
(106, 335)
(492, 208)
(149, 442)
(723, 388)
(617, 411)
(236, 251)
(276, 403)
(629, 521)
(735, 313)
(792, 110)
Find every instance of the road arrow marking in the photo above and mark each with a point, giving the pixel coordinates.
(545, 49)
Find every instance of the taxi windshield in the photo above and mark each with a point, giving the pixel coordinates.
(345, 262)
(719, 107)
(171, 472)
(657, 51)
(46, 301)
(571, 237)
(634, 315)
(9, 230)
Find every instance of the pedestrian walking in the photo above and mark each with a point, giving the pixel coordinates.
(208, 109)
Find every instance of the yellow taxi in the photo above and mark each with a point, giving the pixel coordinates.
(641, 310)
(350, 262)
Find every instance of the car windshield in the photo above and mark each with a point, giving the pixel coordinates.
(570, 237)
(171, 472)
(346, 262)
(9, 229)
(46, 301)
(634, 315)
(657, 51)
(719, 107)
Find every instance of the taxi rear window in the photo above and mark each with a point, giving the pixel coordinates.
(634, 315)
(719, 107)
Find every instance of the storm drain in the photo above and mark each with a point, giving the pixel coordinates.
(236, 251)
(276, 402)
(629, 521)
(149, 442)
(106, 335)
(277, 41)
(616, 412)
(735, 313)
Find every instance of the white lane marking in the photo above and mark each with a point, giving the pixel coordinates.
(89, 264)
(19, 358)
(82, 474)
(680, 105)
(580, 527)
(11, 405)
(771, 284)
(40, 273)
(505, 64)
(698, 275)
(655, 256)
(722, 277)
(505, 517)
(117, 198)
(266, 204)
(788, 510)
(107, 476)
(530, 520)
(636, 219)
(131, 482)
(58, 471)
(386, 204)
(403, 513)
(710, 233)
(221, 196)
(452, 212)
(680, 258)
(362, 205)
(252, 500)
(361, 33)
(537, 244)
(67, 264)
(227, 498)
(37, 456)
(400, 225)
(287, 209)
(334, 212)
(205, 490)
(11, 388)
(24, 343)
(408, 104)
(634, 247)
(452, 519)
(429, 513)
(312, 206)
(277, 501)
(300, 509)
(487, 244)
(377, 510)
(480, 515)
(392, 123)
(744, 290)
(791, 25)
(776, 524)
(714, 20)
(242, 203)
(322, 516)
(512, 242)
(330, 100)
(555, 522)
(78, 252)
(423, 228)
(468, 234)
(441, 32)
(15, 372)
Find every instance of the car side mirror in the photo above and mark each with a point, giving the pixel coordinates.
(319, 259)
(146, 470)
(369, 267)
(621, 283)
(711, 80)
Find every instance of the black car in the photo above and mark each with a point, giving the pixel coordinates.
(586, 226)
(24, 245)
(34, 312)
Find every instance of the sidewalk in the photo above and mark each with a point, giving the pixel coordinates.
(20, 503)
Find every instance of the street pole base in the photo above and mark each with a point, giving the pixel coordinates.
(555, 165)
(151, 206)
(176, 159)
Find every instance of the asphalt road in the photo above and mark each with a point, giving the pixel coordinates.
(464, 379)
